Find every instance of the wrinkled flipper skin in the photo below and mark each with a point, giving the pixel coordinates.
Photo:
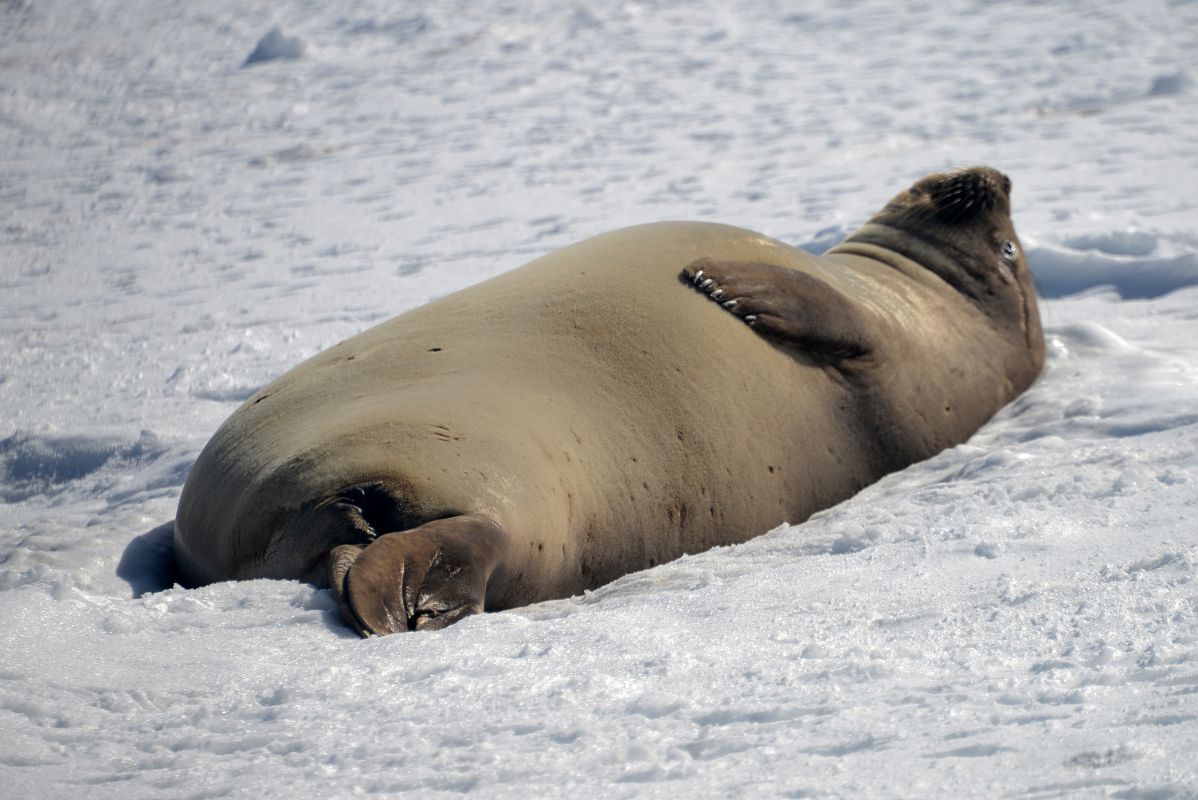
(797, 309)
(422, 579)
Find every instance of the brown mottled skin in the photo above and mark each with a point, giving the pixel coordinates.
(591, 414)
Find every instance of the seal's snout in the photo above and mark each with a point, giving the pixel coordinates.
(964, 194)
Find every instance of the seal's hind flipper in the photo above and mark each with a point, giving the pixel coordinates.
(798, 309)
(421, 579)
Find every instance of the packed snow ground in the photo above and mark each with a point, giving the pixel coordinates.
(1015, 617)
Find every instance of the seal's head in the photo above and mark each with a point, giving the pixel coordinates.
(958, 226)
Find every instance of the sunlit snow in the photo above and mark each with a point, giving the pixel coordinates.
(1015, 617)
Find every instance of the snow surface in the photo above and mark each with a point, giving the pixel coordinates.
(275, 45)
(1015, 617)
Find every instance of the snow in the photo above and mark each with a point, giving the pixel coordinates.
(1015, 617)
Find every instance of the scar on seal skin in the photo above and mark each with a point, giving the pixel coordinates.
(590, 414)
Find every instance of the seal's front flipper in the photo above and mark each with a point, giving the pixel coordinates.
(422, 579)
(799, 309)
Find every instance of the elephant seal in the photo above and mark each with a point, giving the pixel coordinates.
(591, 414)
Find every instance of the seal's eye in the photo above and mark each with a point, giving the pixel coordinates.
(1009, 251)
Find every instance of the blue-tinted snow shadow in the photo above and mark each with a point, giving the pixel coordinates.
(1060, 271)
(35, 464)
(148, 563)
